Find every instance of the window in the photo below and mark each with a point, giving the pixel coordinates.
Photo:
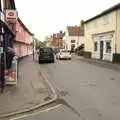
(72, 47)
(108, 46)
(87, 26)
(72, 41)
(95, 46)
(95, 23)
(106, 19)
(11, 25)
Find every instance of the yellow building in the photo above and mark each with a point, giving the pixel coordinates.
(102, 35)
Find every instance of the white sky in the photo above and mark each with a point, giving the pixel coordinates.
(44, 17)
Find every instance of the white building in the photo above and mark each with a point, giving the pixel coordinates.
(74, 37)
(102, 35)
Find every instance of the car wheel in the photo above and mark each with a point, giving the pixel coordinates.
(53, 61)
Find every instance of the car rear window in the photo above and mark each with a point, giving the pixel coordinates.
(46, 51)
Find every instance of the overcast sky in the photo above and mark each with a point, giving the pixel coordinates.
(44, 17)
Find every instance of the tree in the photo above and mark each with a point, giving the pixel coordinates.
(38, 44)
(81, 22)
(80, 48)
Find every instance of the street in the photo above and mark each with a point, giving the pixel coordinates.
(53, 68)
(85, 91)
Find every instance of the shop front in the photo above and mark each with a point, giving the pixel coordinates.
(11, 65)
(103, 46)
(8, 61)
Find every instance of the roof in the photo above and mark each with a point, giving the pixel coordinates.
(115, 7)
(75, 30)
(25, 27)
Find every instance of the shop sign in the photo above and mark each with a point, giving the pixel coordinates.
(11, 15)
(2, 17)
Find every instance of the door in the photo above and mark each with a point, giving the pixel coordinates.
(101, 49)
(72, 47)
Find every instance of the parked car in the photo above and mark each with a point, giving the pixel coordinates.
(63, 54)
(56, 50)
(46, 54)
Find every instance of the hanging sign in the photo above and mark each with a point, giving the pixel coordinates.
(11, 15)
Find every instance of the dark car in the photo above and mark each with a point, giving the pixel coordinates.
(46, 54)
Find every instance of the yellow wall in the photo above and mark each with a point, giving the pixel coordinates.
(97, 26)
(118, 32)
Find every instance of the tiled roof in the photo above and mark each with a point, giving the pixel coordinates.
(75, 31)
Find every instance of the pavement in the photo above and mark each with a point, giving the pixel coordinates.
(31, 91)
(100, 63)
(59, 112)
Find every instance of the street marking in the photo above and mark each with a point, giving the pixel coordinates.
(33, 114)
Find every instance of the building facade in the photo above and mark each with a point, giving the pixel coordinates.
(8, 16)
(54, 41)
(23, 41)
(102, 35)
(74, 37)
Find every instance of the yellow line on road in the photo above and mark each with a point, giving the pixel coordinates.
(36, 113)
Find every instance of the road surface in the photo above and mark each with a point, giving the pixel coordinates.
(85, 91)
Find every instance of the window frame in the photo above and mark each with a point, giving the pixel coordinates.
(106, 19)
(73, 42)
(108, 50)
(95, 23)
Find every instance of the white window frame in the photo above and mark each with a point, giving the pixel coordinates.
(108, 52)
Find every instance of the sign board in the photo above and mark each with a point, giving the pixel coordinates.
(11, 15)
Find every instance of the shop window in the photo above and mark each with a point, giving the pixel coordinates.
(95, 46)
(108, 47)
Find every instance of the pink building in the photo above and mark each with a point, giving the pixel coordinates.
(23, 40)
